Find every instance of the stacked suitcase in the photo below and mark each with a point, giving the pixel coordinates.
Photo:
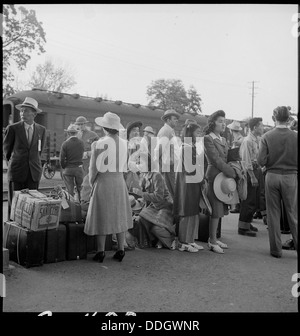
(43, 231)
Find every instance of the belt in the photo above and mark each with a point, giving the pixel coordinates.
(282, 171)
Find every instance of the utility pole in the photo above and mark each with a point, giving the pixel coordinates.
(253, 94)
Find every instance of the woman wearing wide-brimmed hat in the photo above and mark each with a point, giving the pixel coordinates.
(216, 150)
(109, 210)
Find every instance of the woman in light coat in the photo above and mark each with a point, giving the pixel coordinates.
(109, 210)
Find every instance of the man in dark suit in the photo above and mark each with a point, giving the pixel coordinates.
(22, 146)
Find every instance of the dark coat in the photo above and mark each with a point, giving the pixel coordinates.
(187, 195)
(21, 157)
(216, 154)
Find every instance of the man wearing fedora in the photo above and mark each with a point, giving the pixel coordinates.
(167, 149)
(237, 138)
(71, 161)
(88, 137)
(22, 146)
(248, 153)
(148, 141)
(278, 153)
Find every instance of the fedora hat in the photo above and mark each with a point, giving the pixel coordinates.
(148, 129)
(170, 113)
(29, 102)
(134, 203)
(235, 126)
(109, 120)
(81, 120)
(71, 129)
(131, 125)
(225, 189)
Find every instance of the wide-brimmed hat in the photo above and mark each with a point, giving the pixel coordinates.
(225, 189)
(109, 120)
(170, 113)
(30, 102)
(134, 203)
(148, 129)
(235, 126)
(81, 120)
(72, 129)
(131, 125)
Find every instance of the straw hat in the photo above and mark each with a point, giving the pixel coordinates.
(29, 102)
(72, 129)
(170, 113)
(109, 120)
(235, 126)
(225, 189)
(81, 120)
(135, 204)
(148, 129)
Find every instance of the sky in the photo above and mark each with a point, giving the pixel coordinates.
(117, 51)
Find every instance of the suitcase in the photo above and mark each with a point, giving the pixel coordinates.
(91, 243)
(55, 246)
(203, 230)
(76, 243)
(26, 247)
(72, 213)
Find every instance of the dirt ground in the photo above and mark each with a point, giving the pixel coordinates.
(244, 279)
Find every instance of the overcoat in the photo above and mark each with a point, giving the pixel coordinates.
(216, 151)
(109, 209)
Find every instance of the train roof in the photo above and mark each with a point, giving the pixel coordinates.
(52, 99)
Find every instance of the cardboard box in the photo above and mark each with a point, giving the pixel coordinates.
(35, 211)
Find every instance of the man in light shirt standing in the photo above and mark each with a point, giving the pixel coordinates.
(167, 149)
(248, 153)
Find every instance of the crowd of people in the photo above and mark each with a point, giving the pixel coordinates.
(156, 186)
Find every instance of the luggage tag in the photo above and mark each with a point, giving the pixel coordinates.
(64, 203)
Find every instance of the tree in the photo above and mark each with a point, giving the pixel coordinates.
(171, 94)
(194, 101)
(47, 76)
(22, 34)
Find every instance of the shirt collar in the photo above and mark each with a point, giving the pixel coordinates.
(251, 135)
(281, 126)
(27, 125)
(214, 136)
